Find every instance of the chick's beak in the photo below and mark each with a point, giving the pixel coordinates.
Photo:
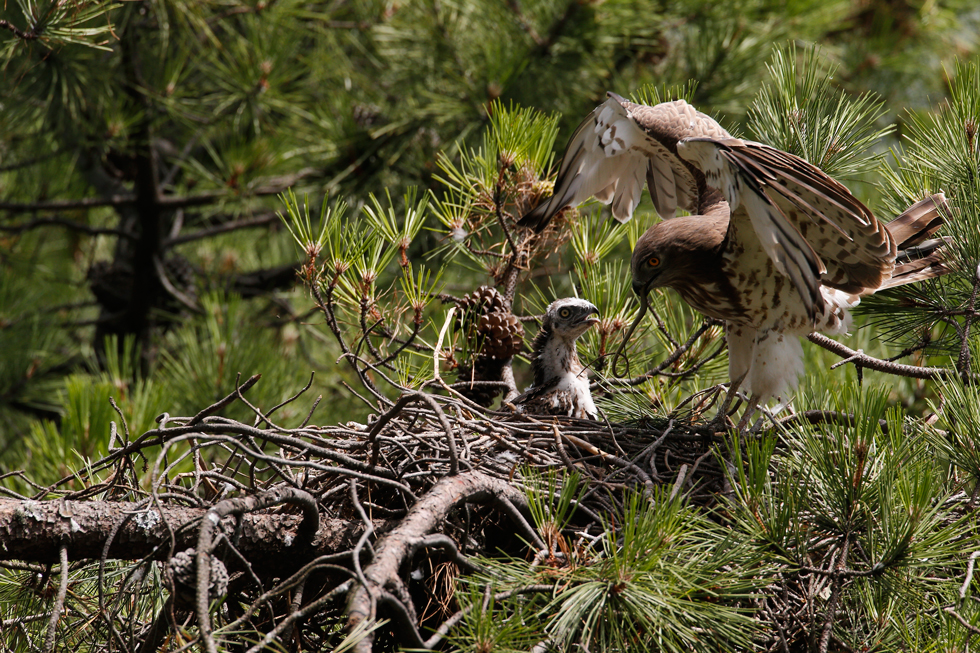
(592, 320)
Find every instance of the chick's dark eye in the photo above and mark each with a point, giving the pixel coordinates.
(653, 261)
(564, 312)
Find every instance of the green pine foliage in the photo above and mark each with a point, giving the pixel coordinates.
(661, 575)
(139, 594)
(868, 488)
(939, 155)
(801, 112)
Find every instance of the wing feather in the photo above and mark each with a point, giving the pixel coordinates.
(856, 248)
(795, 206)
(662, 185)
(621, 145)
(628, 191)
(782, 242)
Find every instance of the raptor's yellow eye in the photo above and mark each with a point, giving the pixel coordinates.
(653, 261)
(564, 312)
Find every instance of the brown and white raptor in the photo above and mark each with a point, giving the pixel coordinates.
(774, 247)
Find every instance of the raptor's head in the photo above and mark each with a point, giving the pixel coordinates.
(676, 251)
(569, 318)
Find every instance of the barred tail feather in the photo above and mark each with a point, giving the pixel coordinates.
(919, 256)
(919, 222)
(924, 261)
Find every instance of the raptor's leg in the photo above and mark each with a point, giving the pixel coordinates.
(719, 423)
(750, 410)
(741, 347)
(773, 361)
(770, 414)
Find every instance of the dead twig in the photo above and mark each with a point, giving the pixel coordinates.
(59, 601)
(862, 360)
(422, 519)
(308, 528)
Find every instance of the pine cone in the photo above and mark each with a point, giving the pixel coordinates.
(183, 566)
(499, 336)
(494, 336)
(483, 300)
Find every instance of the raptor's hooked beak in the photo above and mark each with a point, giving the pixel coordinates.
(642, 289)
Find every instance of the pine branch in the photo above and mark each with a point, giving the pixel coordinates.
(395, 547)
(68, 224)
(163, 201)
(67, 205)
(34, 530)
(862, 360)
(24, 36)
(260, 220)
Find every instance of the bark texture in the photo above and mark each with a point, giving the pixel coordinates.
(35, 530)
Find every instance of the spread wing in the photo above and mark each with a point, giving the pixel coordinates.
(809, 225)
(618, 147)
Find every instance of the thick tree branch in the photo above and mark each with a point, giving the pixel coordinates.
(166, 201)
(64, 205)
(425, 516)
(233, 225)
(239, 507)
(35, 530)
(825, 417)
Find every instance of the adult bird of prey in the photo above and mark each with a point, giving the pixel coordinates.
(776, 249)
(561, 384)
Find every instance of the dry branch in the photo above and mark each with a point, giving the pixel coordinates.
(383, 580)
(34, 530)
(860, 359)
(244, 505)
